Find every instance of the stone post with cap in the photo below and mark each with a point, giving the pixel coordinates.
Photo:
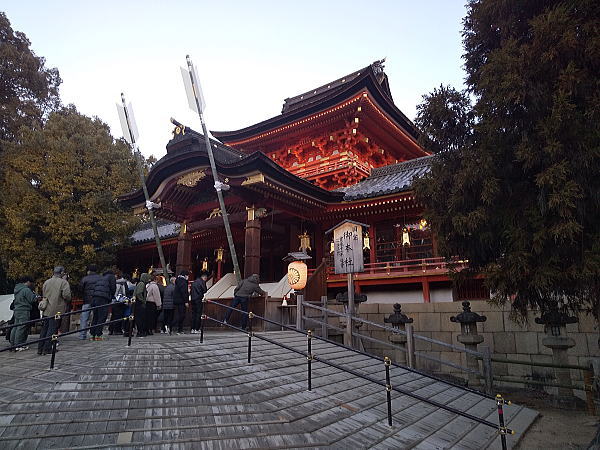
(469, 337)
(555, 326)
(399, 320)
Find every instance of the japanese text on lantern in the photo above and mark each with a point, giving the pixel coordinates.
(348, 248)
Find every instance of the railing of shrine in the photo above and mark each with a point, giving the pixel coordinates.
(409, 348)
(437, 265)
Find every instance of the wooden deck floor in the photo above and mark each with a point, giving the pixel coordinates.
(171, 392)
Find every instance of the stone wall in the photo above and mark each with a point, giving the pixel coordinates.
(505, 338)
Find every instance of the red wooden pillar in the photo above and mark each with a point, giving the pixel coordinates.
(373, 243)
(184, 251)
(426, 294)
(319, 245)
(252, 244)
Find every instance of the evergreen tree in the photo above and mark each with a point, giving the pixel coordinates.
(59, 187)
(521, 200)
(28, 89)
(445, 118)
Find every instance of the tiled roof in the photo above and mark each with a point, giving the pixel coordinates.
(388, 179)
(144, 233)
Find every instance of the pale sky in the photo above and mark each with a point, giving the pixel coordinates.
(250, 55)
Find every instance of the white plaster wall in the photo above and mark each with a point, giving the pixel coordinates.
(413, 296)
(440, 295)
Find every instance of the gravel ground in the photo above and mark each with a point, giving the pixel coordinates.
(555, 428)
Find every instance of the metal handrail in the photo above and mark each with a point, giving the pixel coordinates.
(396, 347)
(396, 330)
(345, 369)
(79, 311)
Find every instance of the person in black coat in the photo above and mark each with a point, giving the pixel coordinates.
(198, 290)
(104, 292)
(86, 286)
(181, 297)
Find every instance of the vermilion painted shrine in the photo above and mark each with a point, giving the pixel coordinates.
(340, 151)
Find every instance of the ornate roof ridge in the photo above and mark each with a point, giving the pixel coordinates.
(297, 101)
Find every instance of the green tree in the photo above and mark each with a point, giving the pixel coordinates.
(445, 118)
(521, 200)
(60, 186)
(28, 89)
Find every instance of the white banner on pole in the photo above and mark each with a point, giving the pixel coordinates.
(189, 90)
(130, 132)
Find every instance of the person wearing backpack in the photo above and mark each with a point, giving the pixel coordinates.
(57, 292)
(140, 305)
(25, 300)
(118, 306)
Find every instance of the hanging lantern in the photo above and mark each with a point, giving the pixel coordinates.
(220, 254)
(304, 242)
(151, 269)
(422, 224)
(331, 247)
(297, 274)
(366, 242)
(136, 274)
(205, 265)
(405, 236)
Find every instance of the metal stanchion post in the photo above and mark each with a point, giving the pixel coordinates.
(202, 320)
(309, 357)
(54, 342)
(250, 316)
(500, 402)
(388, 389)
(131, 319)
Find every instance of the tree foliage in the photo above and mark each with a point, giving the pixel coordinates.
(59, 189)
(28, 89)
(521, 199)
(445, 118)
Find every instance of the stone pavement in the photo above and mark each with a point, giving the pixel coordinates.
(171, 392)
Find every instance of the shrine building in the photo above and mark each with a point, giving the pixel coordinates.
(340, 151)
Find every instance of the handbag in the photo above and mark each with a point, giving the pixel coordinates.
(43, 304)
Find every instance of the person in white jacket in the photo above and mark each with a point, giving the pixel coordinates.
(153, 304)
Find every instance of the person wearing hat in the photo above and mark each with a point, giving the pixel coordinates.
(58, 293)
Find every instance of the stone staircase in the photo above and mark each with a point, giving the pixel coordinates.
(173, 392)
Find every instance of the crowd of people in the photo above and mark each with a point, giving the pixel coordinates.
(159, 307)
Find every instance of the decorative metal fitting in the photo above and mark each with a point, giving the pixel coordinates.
(55, 337)
(468, 316)
(57, 316)
(130, 317)
(398, 318)
(387, 361)
(554, 319)
(203, 317)
(388, 387)
(250, 315)
(133, 300)
(309, 334)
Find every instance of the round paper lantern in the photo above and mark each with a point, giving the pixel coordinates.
(297, 275)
